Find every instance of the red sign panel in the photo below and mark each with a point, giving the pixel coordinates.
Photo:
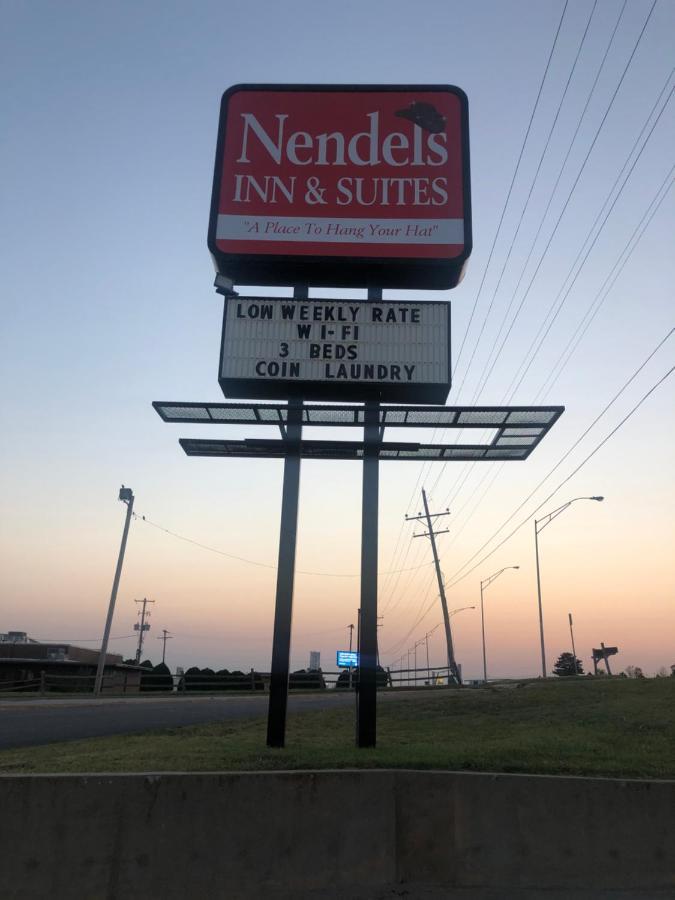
(342, 186)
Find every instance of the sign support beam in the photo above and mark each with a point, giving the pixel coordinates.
(283, 611)
(366, 716)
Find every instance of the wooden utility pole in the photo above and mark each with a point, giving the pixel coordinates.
(166, 636)
(142, 628)
(453, 671)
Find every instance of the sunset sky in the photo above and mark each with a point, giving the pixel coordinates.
(110, 115)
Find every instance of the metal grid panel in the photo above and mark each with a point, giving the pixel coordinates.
(242, 414)
(327, 416)
(394, 416)
(348, 414)
(522, 432)
(427, 418)
(532, 416)
(271, 414)
(346, 450)
(507, 453)
(482, 417)
(463, 452)
(173, 412)
(523, 441)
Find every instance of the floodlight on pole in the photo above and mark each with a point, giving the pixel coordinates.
(484, 584)
(539, 525)
(126, 495)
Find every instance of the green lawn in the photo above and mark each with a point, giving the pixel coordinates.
(614, 727)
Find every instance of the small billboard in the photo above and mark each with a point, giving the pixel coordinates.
(389, 350)
(342, 186)
(348, 659)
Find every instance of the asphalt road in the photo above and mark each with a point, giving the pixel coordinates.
(26, 723)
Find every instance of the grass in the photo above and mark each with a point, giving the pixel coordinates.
(589, 727)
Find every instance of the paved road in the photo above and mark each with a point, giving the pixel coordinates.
(30, 722)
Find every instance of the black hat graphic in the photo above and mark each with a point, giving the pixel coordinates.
(425, 115)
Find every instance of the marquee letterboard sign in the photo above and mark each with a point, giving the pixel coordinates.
(336, 349)
(343, 186)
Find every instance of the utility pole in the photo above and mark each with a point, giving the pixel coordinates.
(351, 635)
(453, 671)
(126, 495)
(417, 644)
(574, 652)
(166, 636)
(426, 640)
(142, 628)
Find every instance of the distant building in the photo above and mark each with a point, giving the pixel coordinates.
(314, 660)
(26, 663)
(15, 637)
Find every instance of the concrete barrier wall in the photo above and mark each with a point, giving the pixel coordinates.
(254, 835)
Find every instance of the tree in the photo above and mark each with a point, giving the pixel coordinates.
(567, 664)
(192, 679)
(160, 680)
(382, 677)
(306, 679)
(634, 672)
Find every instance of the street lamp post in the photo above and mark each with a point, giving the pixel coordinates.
(453, 612)
(486, 583)
(417, 644)
(126, 495)
(539, 525)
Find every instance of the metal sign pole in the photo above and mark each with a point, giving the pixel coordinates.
(281, 644)
(367, 687)
(366, 728)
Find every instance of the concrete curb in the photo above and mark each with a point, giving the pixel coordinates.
(355, 833)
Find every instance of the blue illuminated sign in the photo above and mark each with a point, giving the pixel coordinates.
(348, 659)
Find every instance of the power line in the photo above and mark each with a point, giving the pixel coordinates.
(394, 649)
(253, 562)
(587, 254)
(590, 149)
(598, 301)
(570, 195)
(557, 182)
(456, 580)
(462, 477)
(513, 179)
(492, 248)
(456, 534)
(484, 377)
(606, 287)
(530, 192)
(604, 441)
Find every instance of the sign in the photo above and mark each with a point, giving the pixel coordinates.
(336, 349)
(343, 186)
(347, 659)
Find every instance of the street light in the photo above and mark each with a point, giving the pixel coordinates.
(416, 645)
(539, 525)
(425, 639)
(486, 583)
(126, 495)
